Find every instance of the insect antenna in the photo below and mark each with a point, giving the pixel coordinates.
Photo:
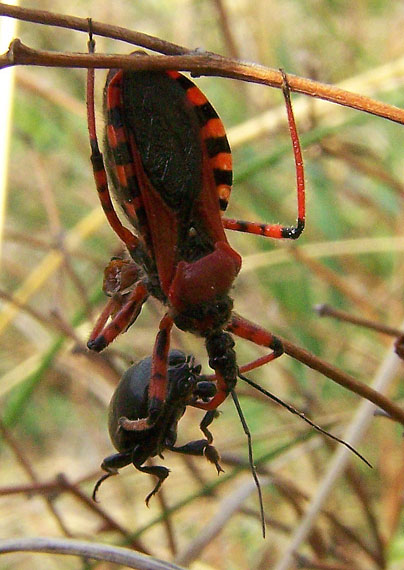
(304, 417)
(250, 457)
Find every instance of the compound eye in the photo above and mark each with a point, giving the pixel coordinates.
(185, 385)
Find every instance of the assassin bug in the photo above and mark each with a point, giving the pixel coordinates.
(130, 402)
(169, 162)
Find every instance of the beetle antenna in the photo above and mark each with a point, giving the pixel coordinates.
(250, 457)
(304, 417)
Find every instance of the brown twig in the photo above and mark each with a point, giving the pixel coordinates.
(61, 484)
(296, 501)
(20, 454)
(305, 562)
(328, 311)
(335, 280)
(201, 64)
(226, 28)
(72, 488)
(364, 162)
(288, 487)
(365, 499)
(343, 379)
(98, 28)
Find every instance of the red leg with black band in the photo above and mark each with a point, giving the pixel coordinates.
(275, 230)
(121, 321)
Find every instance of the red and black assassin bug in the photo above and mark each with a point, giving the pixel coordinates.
(169, 162)
(130, 402)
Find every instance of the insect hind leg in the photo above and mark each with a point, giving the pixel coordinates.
(130, 240)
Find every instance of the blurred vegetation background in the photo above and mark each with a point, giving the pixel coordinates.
(54, 394)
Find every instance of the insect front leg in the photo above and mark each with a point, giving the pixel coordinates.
(158, 381)
(275, 230)
(205, 423)
(120, 276)
(102, 335)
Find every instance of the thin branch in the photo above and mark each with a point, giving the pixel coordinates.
(200, 64)
(60, 484)
(110, 522)
(211, 529)
(226, 28)
(99, 29)
(343, 379)
(355, 432)
(117, 555)
(26, 465)
(328, 311)
(339, 282)
(370, 510)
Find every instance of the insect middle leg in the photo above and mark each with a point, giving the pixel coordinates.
(258, 335)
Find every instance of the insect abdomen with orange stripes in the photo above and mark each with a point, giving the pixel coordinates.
(170, 165)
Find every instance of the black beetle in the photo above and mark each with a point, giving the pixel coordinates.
(130, 402)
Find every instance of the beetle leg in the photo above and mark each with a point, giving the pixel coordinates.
(111, 464)
(276, 230)
(206, 421)
(199, 448)
(158, 471)
(102, 335)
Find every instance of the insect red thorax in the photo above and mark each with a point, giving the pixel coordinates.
(169, 162)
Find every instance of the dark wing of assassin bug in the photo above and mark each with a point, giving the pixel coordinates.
(130, 402)
(169, 162)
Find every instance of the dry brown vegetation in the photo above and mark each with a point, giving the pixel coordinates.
(56, 243)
